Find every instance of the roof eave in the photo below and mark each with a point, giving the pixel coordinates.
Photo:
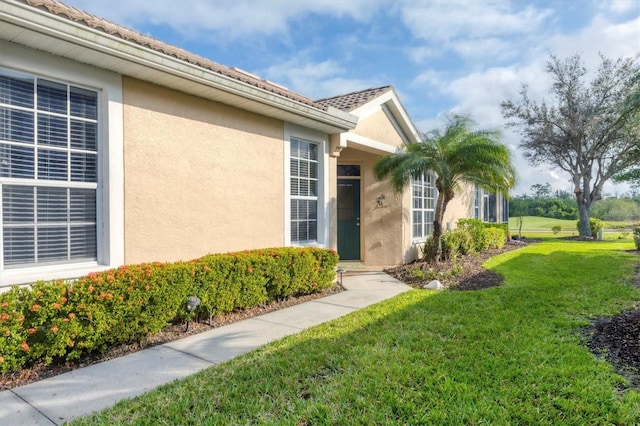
(44, 31)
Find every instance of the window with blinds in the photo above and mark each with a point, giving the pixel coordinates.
(48, 171)
(424, 195)
(304, 190)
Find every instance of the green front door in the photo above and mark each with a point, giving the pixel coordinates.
(349, 219)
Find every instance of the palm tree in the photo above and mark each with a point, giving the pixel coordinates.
(456, 155)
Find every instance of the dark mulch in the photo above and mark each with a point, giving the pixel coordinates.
(465, 273)
(173, 332)
(617, 338)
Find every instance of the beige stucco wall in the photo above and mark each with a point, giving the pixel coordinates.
(461, 207)
(381, 226)
(378, 127)
(200, 176)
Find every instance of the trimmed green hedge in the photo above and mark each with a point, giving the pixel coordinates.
(64, 320)
(477, 230)
(496, 237)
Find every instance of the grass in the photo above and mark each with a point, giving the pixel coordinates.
(505, 355)
(532, 223)
(540, 228)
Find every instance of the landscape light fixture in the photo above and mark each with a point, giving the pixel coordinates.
(192, 304)
(341, 271)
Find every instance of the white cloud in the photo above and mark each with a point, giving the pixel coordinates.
(431, 77)
(228, 20)
(422, 53)
(315, 79)
(614, 40)
(481, 93)
(619, 6)
(448, 20)
(498, 49)
(472, 29)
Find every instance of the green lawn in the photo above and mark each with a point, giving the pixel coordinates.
(510, 355)
(540, 227)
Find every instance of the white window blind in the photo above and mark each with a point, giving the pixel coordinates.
(424, 195)
(304, 190)
(48, 171)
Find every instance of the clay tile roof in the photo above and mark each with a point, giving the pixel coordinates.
(79, 16)
(353, 100)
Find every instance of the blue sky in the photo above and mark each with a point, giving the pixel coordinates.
(463, 56)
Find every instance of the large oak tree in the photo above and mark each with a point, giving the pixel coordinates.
(589, 129)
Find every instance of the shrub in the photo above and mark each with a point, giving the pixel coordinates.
(13, 335)
(495, 237)
(595, 224)
(556, 229)
(429, 248)
(64, 320)
(456, 242)
(477, 229)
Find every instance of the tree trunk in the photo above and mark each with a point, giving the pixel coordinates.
(520, 220)
(441, 206)
(584, 208)
(437, 240)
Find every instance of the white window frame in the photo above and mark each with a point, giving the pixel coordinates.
(504, 211)
(487, 206)
(322, 141)
(423, 187)
(110, 163)
(478, 202)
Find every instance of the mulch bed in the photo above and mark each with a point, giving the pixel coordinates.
(617, 338)
(469, 273)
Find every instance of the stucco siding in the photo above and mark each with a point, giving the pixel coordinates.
(200, 176)
(381, 225)
(377, 126)
(461, 207)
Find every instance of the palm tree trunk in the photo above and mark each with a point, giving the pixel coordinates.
(441, 205)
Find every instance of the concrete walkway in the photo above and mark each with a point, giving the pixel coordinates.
(86, 390)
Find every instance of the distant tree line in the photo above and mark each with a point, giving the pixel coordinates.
(543, 201)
